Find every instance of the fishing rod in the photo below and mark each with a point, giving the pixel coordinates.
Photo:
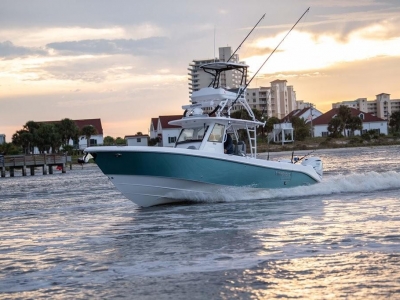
(245, 38)
(242, 90)
(218, 107)
(308, 154)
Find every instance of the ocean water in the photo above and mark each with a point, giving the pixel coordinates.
(74, 236)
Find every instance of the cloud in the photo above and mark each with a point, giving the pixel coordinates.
(9, 50)
(254, 50)
(312, 51)
(37, 36)
(345, 3)
(145, 46)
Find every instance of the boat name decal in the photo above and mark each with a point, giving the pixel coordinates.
(284, 175)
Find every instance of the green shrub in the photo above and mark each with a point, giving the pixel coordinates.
(366, 136)
(356, 140)
(68, 148)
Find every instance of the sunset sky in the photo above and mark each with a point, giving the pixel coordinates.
(125, 61)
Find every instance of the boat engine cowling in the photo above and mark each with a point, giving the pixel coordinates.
(316, 163)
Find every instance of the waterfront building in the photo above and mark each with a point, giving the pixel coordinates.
(277, 100)
(382, 107)
(370, 122)
(307, 114)
(167, 133)
(260, 99)
(153, 128)
(137, 140)
(199, 79)
(2, 139)
(81, 142)
(302, 104)
(96, 139)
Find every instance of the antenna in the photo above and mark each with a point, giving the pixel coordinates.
(214, 43)
(245, 38)
(242, 90)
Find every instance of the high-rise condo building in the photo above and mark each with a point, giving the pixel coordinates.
(278, 100)
(199, 79)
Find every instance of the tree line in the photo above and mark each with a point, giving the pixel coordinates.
(47, 137)
(53, 136)
(337, 126)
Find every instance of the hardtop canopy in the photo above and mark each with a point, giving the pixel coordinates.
(216, 68)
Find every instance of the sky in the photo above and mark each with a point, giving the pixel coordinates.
(126, 61)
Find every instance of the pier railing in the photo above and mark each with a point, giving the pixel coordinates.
(46, 161)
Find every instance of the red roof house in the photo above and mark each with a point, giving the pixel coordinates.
(370, 122)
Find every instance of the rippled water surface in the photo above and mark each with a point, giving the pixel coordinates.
(74, 236)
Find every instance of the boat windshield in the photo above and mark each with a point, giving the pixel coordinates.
(217, 133)
(188, 135)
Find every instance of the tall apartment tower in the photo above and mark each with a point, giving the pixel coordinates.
(292, 101)
(199, 79)
(280, 98)
(260, 99)
(383, 107)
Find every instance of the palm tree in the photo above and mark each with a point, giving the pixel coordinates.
(301, 129)
(354, 123)
(31, 127)
(68, 130)
(394, 121)
(335, 127)
(108, 141)
(344, 114)
(88, 131)
(120, 141)
(23, 138)
(47, 137)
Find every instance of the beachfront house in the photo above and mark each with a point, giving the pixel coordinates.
(370, 122)
(283, 132)
(307, 114)
(81, 143)
(96, 139)
(153, 128)
(137, 140)
(167, 134)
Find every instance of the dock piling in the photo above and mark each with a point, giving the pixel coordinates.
(45, 161)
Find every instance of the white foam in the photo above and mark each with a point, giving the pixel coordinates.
(351, 183)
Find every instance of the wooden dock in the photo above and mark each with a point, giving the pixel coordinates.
(45, 161)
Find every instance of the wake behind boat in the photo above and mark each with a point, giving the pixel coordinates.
(208, 156)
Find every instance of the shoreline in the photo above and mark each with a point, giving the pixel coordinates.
(322, 151)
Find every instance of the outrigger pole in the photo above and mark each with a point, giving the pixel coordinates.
(242, 90)
(245, 38)
(218, 107)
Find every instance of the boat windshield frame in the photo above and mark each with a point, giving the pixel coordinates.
(193, 132)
